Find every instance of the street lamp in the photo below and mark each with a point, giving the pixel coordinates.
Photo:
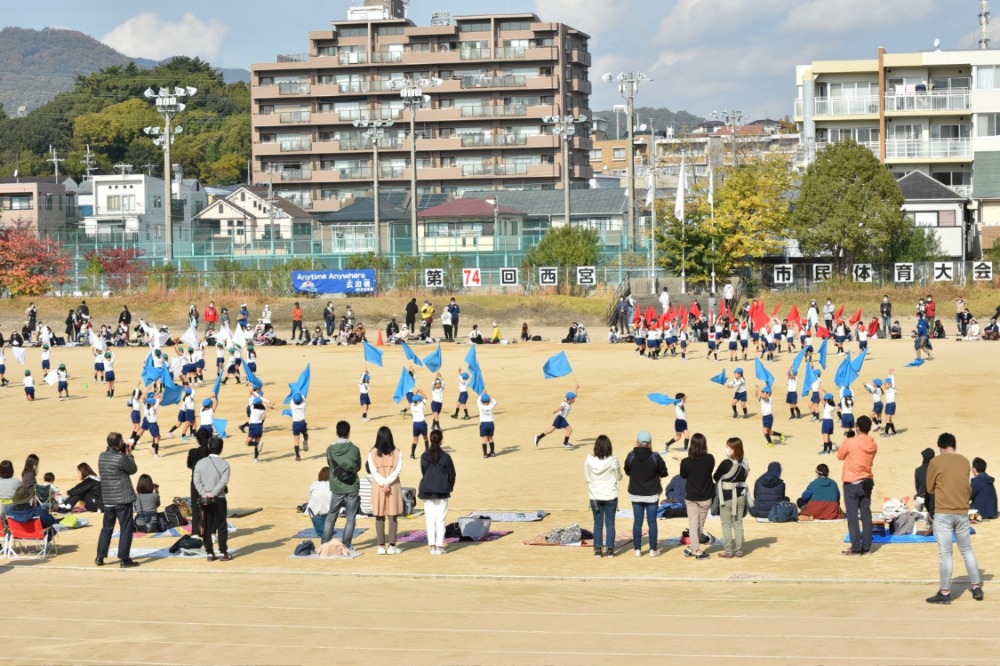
(565, 128)
(168, 104)
(732, 120)
(374, 131)
(411, 90)
(628, 86)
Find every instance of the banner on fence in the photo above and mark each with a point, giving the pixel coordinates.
(335, 282)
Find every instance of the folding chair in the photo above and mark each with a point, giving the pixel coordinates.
(29, 532)
(4, 539)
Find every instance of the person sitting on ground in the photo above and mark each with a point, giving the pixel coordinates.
(581, 334)
(475, 335)
(571, 335)
(317, 337)
(497, 335)
(87, 491)
(973, 332)
(821, 499)
(391, 331)
(613, 336)
(984, 493)
(895, 331)
(923, 497)
(9, 484)
(147, 505)
(525, 336)
(359, 333)
(768, 490)
(320, 496)
(939, 332)
(992, 331)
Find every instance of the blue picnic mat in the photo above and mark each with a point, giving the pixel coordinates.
(904, 538)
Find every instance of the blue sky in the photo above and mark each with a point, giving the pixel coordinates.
(701, 55)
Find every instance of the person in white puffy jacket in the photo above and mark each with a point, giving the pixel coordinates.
(602, 472)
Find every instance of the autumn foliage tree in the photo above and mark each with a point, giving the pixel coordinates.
(29, 265)
(122, 268)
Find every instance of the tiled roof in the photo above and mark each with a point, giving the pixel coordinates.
(468, 207)
(284, 204)
(918, 186)
(595, 201)
(363, 210)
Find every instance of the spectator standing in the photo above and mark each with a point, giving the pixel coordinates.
(947, 478)
(244, 320)
(602, 471)
(446, 325)
(427, 315)
(697, 469)
(729, 296)
(411, 315)
(211, 480)
(812, 317)
(645, 468)
(436, 486)
(211, 316)
(344, 460)
(297, 315)
(828, 310)
(621, 314)
(194, 456)
(930, 308)
(664, 301)
(31, 314)
(920, 482)
(455, 312)
(385, 463)
(960, 309)
(858, 453)
(731, 477)
(885, 310)
(115, 466)
(329, 318)
(125, 321)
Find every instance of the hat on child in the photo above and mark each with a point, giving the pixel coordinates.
(828, 396)
(877, 382)
(570, 395)
(207, 402)
(297, 398)
(485, 397)
(644, 437)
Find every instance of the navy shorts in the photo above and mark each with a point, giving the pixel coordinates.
(255, 430)
(672, 340)
(863, 345)
(711, 345)
(154, 429)
(63, 386)
(29, 391)
(839, 339)
(768, 421)
(435, 407)
(827, 427)
(771, 346)
(299, 428)
(680, 425)
(877, 408)
(219, 362)
(99, 367)
(463, 397)
(560, 423)
(188, 416)
(200, 364)
(46, 365)
(136, 417)
(109, 376)
(890, 409)
(3, 369)
(792, 398)
(252, 366)
(740, 397)
(207, 428)
(486, 429)
(732, 346)
(365, 400)
(847, 420)
(744, 343)
(187, 368)
(419, 428)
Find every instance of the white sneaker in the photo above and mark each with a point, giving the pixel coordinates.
(393, 550)
(381, 550)
(654, 553)
(638, 553)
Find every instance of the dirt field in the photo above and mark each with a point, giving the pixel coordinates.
(794, 599)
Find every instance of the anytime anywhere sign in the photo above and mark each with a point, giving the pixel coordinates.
(334, 282)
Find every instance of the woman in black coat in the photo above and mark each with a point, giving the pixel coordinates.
(768, 490)
(645, 468)
(697, 469)
(87, 491)
(436, 486)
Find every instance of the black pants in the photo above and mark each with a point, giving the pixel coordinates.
(196, 514)
(122, 513)
(296, 326)
(858, 507)
(447, 332)
(215, 523)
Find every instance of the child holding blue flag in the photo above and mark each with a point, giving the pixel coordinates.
(437, 401)
(486, 425)
(739, 384)
(364, 384)
(255, 429)
(767, 414)
(561, 422)
(299, 427)
(889, 387)
(417, 411)
(847, 411)
(463, 395)
(151, 420)
(206, 419)
(792, 399)
(829, 409)
(680, 423)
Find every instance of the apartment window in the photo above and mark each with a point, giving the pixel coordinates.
(953, 178)
(48, 202)
(618, 154)
(925, 218)
(390, 30)
(267, 80)
(477, 26)
(988, 124)
(353, 32)
(988, 78)
(16, 202)
(515, 25)
(157, 201)
(114, 202)
(596, 155)
(853, 89)
(950, 131)
(327, 51)
(911, 132)
(951, 83)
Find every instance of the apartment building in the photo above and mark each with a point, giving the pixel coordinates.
(936, 112)
(483, 127)
(49, 208)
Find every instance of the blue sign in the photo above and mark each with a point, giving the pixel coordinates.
(334, 282)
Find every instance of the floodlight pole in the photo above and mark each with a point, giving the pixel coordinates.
(375, 130)
(411, 90)
(168, 104)
(628, 86)
(565, 128)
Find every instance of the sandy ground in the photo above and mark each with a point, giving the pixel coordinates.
(502, 601)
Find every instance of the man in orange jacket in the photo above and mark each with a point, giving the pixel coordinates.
(858, 453)
(297, 320)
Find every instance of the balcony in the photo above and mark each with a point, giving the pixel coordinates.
(470, 170)
(580, 86)
(387, 56)
(475, 54)
(293, 57)
(958, 100)
(933, 149)
(293, 88)
(296, 145)
(494, 111)
(295, 117)
(493, 82)
(579, 56)
(481, 140)
(964, 190)
(866, 105)
(295, 174)
(353, 87)
(353, 58)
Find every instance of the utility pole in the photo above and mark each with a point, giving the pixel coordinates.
(411, 90)
(565, 129)
(168, 105)
(375, 130)
(55, 159)
(270, 210)
(628, 86)
(89, 164)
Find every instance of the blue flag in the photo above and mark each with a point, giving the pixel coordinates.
(373, 354)
(798, 361)
(220, 427)
(251, 377)
(171, 391)
(822, 353)
(301, 385)
(217, 387)
(763, 374)
(915, 363)
(470, 358)
(557, 366)
(405, 385)
(857, 364)
(410, 354)
(810, 379)
(476, 381)
(720, 378)
(433, 360)
(286, 412)
(149, 372)
(843, 377)
(663, 399)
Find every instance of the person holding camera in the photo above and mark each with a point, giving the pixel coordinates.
(344, 459)
(115, 466)
(211, 479)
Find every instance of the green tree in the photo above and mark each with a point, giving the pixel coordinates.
(688, 247)
(849, 208)
(752, 211)
(565, 246)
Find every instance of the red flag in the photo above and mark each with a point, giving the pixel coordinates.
(723, 311)
(822, 331)
(684, 318)
(856, 318)
(776, 310)
(794, 316)
(873, 327)
(695, 310)
(760, 318)
(836, 315)
(665, 318)
(650, 315)
(638, 317)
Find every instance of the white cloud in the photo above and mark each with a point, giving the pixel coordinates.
(149, 36)
(841, 16)
(591, 17)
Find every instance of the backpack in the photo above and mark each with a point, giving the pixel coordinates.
(174, 517)
(783, 512)
(305, 549)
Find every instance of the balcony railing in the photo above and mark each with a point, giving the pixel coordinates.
(293, 57)
(513, 81)
(352, 58)
(928, 149)
(293, 88)
(294, 145)
(296, 117)
(515, 169)
(957, 100)
(847, 106)
(494, 111)
(475, 54)
(355, 173)
(296, 174)
(476, 140)
(387, 56)
(512, 53)
(353, 87)
(964, 190)
(477, 169)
